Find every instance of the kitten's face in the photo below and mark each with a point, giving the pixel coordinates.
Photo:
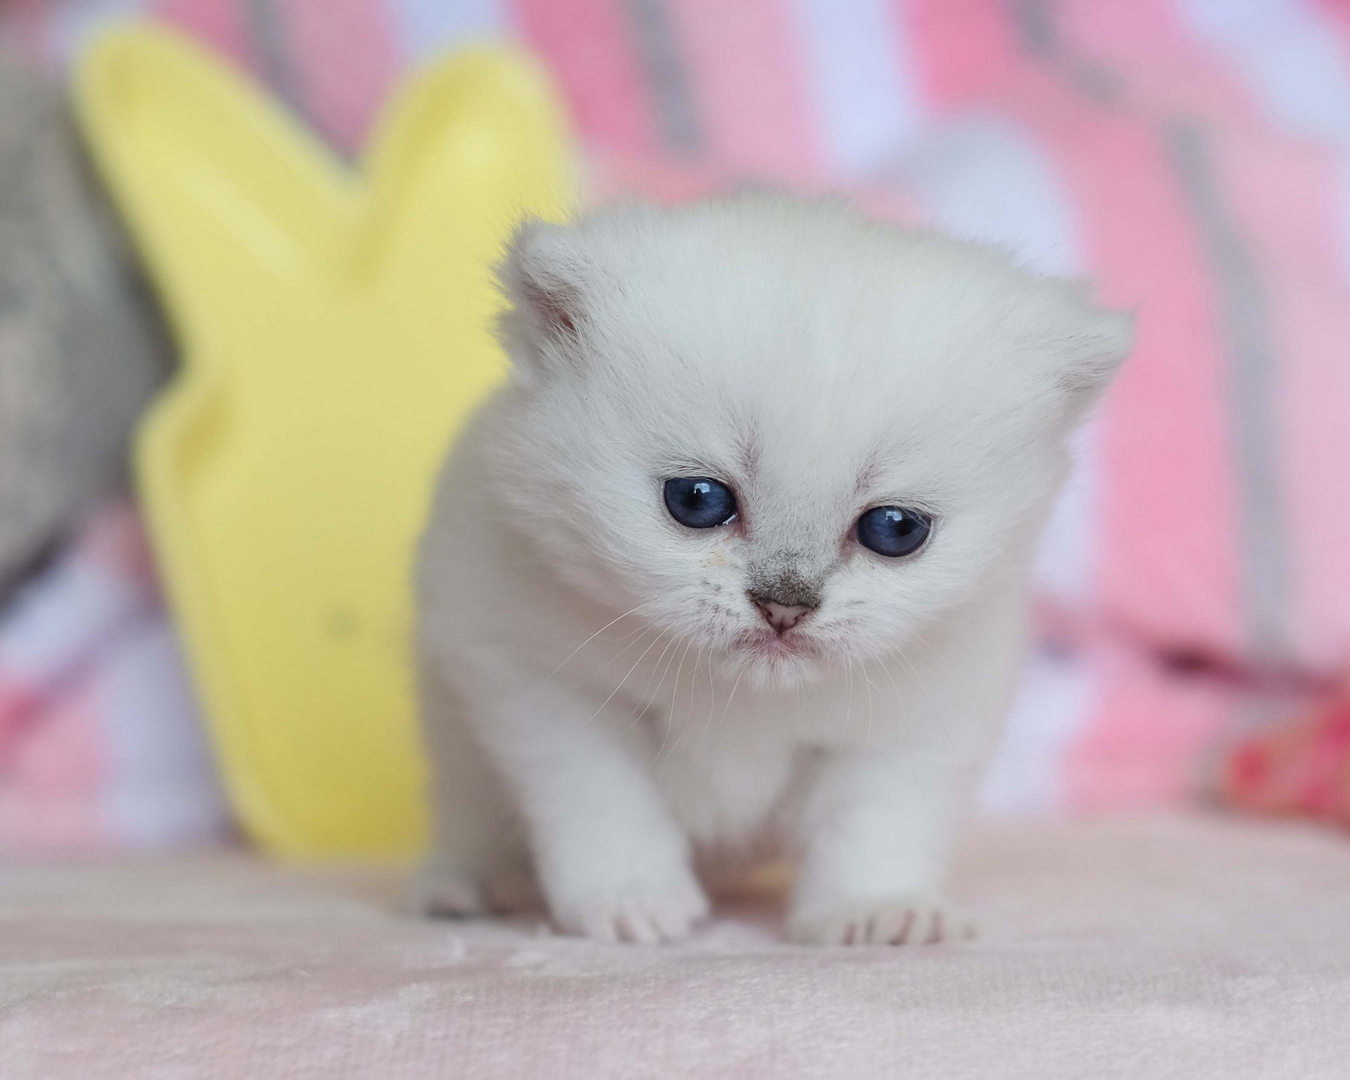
(788, 438)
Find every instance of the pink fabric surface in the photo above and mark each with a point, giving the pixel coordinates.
(1182, 948)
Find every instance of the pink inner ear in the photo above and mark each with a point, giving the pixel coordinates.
(553, 306)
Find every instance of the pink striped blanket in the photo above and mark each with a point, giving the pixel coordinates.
(1191, 155)
(99, 738)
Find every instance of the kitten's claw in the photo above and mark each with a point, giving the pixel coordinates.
(899, 920)
(645, 917)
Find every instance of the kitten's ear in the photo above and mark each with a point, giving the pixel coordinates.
(1086, 344)
(545, 276)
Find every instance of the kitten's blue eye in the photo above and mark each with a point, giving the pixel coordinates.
(894, 531)
(698, 502)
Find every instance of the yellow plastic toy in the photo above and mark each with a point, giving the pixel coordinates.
(334, 332)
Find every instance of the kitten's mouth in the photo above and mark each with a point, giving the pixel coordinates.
(769, 646)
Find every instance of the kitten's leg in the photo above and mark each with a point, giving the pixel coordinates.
(877, 832)
(480, 860)
(610, 859)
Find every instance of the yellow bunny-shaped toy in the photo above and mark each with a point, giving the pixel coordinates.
(335, 331)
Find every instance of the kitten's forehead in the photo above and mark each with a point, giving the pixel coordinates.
(789, 379)
(820, 321)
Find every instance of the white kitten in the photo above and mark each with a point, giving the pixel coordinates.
(736, 562)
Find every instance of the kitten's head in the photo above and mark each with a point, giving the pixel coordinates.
(787, 434)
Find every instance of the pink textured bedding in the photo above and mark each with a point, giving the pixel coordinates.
(1173, 949)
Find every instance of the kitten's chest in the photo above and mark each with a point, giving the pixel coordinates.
(732, 764)
(726, 800)
(734, 784)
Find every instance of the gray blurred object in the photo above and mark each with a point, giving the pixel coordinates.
(82, 349)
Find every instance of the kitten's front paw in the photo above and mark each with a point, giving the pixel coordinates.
(904, 919)
(639, 913)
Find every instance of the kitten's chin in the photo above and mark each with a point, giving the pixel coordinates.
(773, 662)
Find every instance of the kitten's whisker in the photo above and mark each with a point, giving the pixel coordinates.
(730, 697)
(848, 696)
(867, 739)
(942, 720)
(693, 690)
(900, 699)
(922, 641)
(644, 698)
(630, 635)
(578, 649)
(636, 639)
(674, 694)
(630, 671)
(674, 699)
(712, 703)
(899, 652)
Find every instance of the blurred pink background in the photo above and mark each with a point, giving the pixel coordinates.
(1193, 156)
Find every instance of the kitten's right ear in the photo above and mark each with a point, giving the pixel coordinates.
(546, 278)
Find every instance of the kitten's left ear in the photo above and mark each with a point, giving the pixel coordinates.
(1086, 343)
(545, 277)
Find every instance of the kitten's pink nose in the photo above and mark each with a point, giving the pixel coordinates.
(781, 617)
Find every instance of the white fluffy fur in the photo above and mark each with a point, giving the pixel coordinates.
(601, 706)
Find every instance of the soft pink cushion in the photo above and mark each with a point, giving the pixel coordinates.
(1171, 948)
